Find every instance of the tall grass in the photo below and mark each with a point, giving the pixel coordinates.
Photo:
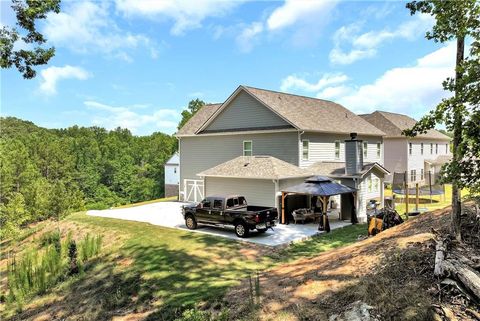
(39, 270)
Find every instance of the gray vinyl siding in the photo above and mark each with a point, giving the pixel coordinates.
(257, 191)
(245, 112)
(322, 148)
(203, 152)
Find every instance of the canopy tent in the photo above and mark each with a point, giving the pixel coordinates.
(322, 187)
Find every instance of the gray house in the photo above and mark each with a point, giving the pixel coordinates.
(417, 156)
(259, 141)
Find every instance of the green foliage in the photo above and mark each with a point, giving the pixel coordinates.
(27, 13)
(198, 315)
(38, 271)
(193, 107)
(50, 173)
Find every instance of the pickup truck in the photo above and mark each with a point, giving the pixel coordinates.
(230, 210)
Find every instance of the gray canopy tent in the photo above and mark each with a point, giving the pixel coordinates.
(322, 187)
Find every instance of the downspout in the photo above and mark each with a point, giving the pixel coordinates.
(179, 168)
(300, 144)
(277, 189)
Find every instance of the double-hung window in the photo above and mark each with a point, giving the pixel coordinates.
(436, 148)
(305, 149)
(247, 148)
(365, 150)
(337, 149)
(421, 148)
(431, 148)
(379, 149)
(410, 148)
(446, 148)
(413, 175)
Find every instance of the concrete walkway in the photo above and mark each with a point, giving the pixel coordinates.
(169, 214)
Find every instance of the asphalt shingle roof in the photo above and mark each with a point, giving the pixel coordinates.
(392, 124)
(337, 169)
(200, 117)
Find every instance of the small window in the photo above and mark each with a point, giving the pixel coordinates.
(413, 175)
(206, 203)
(230, 202)
(421, 148)
(247, 148)
(337, 149)
(431, 148)
(217, 204)
(305, 149)
(379, 149)
(242, 201)
(235, 201)
(410, 148)
(422, 174)
(365, 149)
(436, 148)
(175, 170)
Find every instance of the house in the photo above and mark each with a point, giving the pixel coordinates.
(259, 141)
(416, 156)
(172, 175)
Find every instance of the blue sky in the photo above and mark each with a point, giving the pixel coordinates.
(136, 64)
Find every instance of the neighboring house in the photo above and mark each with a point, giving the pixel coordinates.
(224, 147)
(172, 175)
(417, 156)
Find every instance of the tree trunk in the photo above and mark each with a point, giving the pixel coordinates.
(457, 138)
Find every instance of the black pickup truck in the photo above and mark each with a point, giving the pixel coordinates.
(230, 210)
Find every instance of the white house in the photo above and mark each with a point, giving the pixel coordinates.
(172, 175)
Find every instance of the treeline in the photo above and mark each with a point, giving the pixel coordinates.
(50, 172)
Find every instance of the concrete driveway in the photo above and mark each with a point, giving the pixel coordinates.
(169, 214)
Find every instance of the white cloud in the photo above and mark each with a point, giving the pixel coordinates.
(293, 11)
(52, 75)
(186, 14)
(246, 39)
(412, 90)
(86, 26)
(294, 82)
(110, 117)
(365, 45)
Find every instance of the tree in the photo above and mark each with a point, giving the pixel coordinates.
(459, 20)
(27, 13)
(193, 107)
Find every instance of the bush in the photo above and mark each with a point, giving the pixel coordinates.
(89, 247)
(51, 237)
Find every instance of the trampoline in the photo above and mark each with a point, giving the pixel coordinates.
(431, 187)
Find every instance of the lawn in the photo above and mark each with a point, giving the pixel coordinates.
(149, 269)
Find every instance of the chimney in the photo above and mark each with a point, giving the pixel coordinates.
(353, 155)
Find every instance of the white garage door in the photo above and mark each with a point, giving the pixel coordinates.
(257, 191)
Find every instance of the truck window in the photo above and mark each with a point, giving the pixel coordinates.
(242, 201)
(217, 204)
(206, 203)
(230, 202)
(235, 201)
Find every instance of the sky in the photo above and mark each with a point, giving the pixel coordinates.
(137, 64)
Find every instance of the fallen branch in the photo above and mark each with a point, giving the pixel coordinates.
(465, 274)
(439, 257)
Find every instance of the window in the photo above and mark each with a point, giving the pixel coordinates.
(175, 170)
(369, 182)
(376, 184)
(235, 201)
(422, 174)
(436, 148)
(431, 148)
(365, 149)
(413, 175)
(410, 148)
(337, 149)
(206, 203)
(230, 202)
(446, 148)
(379, 149)
(247, 148)
(305, 149)
(421, 148)
(217, 204)
(242, 201)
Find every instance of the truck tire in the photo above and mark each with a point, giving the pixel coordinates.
(190, 222)
(241, 229)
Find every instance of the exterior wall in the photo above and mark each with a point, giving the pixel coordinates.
(416, 161)
(244, 111)
(256, 191)
(396, 151)
(172, 174)
(322, 148)
(171, 190)
(199, 153)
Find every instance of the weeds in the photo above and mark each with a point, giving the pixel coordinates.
(254, 289)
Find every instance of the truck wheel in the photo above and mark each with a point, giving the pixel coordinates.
(262, 230)
(190, 222)
(241, 230)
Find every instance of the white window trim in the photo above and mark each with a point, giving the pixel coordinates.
(308, 149)
(365, 150)
(379, 149)
(243, 147)
(339, 149)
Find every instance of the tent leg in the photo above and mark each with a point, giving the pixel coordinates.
(283, 208)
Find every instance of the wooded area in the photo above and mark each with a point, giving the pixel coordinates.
(51, 172)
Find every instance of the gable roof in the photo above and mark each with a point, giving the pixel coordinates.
(197, 120)
(303, 113)
(174, 160)
(337, 169)
(255, 167)
(393, 124)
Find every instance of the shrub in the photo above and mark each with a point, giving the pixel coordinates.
(51, 237)
(89, 247)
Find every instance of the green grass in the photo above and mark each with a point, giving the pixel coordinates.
(168, 270)
(165, 199)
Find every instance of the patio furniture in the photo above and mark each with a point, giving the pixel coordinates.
(304, 214)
